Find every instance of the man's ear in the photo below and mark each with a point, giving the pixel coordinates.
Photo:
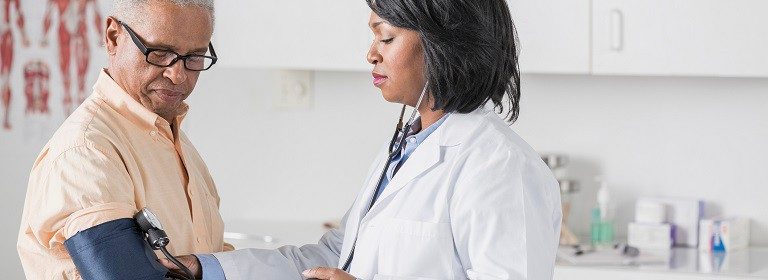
(111, 34)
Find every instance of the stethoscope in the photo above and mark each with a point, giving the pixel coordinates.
(394, 150)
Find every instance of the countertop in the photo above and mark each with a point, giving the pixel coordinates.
(678, 263)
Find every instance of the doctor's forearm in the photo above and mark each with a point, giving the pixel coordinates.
(286, 262)
(211, 268)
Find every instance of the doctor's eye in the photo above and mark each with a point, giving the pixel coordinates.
(387, 41)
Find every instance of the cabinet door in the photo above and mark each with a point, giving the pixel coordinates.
(681, 37)
(293, 34)
(554, 35)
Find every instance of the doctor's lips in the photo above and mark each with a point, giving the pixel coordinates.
(379, 79)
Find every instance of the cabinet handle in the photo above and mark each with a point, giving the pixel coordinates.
(617, 30)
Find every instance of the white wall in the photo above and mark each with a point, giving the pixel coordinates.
(691, 137)
(288, 164)
(683, 137)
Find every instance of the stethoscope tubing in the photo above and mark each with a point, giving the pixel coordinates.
(400, 133)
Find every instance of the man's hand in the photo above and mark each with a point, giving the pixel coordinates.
(327, 273)
(190, 261)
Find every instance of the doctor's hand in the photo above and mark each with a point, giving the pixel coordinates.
(327, 273)
(190, 261)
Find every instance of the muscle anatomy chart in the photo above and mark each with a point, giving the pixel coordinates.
(36, 87)
(48, 57)
(7, 9)
(72, 35)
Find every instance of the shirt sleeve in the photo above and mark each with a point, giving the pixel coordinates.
(211, 267)
(80, 188)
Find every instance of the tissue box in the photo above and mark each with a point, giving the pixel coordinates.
(684, 214)
(650, 236)
(650, 212)
(724, 234)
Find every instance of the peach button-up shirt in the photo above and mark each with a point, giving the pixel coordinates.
(109, 159)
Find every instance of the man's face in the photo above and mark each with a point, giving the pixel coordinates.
(184, 30)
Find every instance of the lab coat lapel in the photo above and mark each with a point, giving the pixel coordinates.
(450, 134)
(423, 158)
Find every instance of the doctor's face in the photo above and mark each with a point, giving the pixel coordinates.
(398, 61)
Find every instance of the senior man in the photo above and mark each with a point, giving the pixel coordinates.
(123, 150)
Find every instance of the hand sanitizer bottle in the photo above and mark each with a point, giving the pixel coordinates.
(602, 224)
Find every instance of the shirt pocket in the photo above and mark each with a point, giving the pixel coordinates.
(416, 249)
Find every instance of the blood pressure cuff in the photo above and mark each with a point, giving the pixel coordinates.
(114, 250)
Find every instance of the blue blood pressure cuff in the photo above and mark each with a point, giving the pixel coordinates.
(114, 250)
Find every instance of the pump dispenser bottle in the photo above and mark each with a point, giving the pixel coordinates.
(602, 217)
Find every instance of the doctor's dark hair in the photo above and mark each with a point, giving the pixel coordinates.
(469, 49)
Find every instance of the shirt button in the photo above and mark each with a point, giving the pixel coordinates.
(411, 140)
(153, 133)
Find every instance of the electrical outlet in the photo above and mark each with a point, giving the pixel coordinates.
(295, 89)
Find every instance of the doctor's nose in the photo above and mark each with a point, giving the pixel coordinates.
(374, 57)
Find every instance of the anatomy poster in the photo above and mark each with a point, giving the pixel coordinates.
(50, 55)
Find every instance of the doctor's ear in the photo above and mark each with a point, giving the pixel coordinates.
(111, 35)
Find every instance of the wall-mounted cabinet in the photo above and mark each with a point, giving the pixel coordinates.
(334, 35)
(554, 35)
(293, 34)
(680, 37)
(601, 37)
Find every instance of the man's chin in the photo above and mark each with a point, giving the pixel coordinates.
(167, 111)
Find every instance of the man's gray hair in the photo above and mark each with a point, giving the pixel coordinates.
(130, 11)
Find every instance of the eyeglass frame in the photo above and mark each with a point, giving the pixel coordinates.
(147, 50)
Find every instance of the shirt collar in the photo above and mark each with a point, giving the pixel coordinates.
(419, 134)
(117, 98)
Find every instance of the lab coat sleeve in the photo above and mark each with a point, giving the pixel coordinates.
(286, 262)
(505, 216)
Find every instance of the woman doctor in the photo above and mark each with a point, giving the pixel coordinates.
(461, 196)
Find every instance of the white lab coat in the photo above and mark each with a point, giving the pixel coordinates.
(473, 201)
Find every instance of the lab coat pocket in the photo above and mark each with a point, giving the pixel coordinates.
(416, 249)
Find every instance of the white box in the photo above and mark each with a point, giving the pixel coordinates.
(724, 234)
(650, 236)
(684, 214)
(650, 212)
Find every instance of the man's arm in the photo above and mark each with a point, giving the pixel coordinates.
(114, 250)
(79, 197)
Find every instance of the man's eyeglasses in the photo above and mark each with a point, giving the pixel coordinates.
(167, 58)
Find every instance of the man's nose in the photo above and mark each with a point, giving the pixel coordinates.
(176, 72)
